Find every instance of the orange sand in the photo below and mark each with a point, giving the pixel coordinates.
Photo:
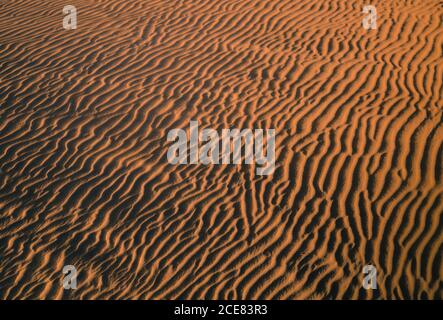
(85, 181)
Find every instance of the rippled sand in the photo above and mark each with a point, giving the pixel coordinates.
(85, 180)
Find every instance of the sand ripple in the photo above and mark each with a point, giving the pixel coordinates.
(84, 178)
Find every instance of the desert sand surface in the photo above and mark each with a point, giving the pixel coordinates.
(84, 176)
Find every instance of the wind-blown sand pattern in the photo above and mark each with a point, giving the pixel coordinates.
(85, 180)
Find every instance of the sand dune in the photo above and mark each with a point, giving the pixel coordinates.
(84, 178)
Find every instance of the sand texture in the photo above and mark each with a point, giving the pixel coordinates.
(84, 175)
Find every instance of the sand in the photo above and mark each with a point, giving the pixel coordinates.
(85, 181)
